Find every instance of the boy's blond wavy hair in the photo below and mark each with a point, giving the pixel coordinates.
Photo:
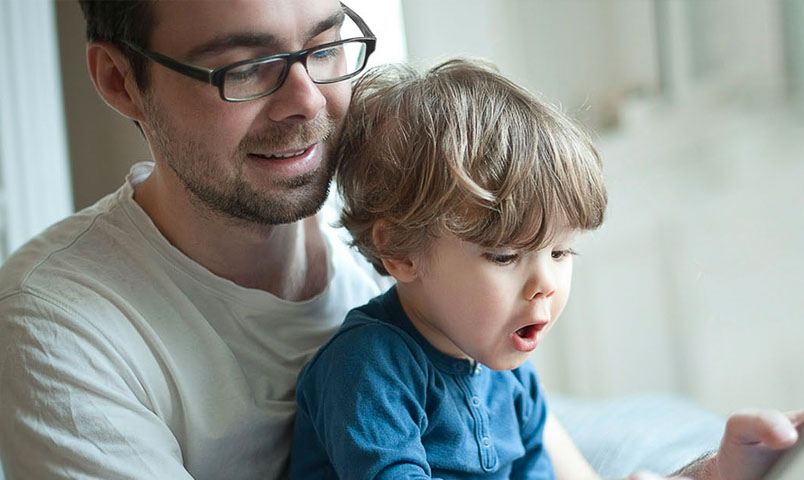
(460, 149)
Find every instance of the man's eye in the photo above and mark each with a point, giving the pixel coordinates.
(327, 53)
(562, 254)
(242, 74)
(501, 258)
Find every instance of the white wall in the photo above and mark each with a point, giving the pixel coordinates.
(385, 20)
(692, 285)
(583, 54)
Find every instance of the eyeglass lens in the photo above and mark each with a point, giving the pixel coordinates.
(324, 65)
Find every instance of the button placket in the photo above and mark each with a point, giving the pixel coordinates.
(488, 454)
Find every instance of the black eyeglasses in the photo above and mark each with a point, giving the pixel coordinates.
(251, 79)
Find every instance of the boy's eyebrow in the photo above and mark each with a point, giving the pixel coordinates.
(227, 41)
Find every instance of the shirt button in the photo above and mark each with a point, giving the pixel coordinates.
(476, 401)
(486, 442)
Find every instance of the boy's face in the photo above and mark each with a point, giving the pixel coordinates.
(492, 306)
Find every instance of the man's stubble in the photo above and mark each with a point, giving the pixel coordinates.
(222, 186)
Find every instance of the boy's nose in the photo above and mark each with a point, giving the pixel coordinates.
(540, 283)
(298, 99)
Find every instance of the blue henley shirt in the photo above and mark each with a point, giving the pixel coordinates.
(379, 402)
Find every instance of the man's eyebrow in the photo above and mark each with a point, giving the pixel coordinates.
(228, 41)
(252, 40)
(334, 20)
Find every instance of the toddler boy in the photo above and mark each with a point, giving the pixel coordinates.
(468, 190)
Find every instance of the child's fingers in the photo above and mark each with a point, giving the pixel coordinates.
(797, 417)
(771, 428)
(652, 476)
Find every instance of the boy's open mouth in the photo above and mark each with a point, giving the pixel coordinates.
(526, 338)
(530, 331)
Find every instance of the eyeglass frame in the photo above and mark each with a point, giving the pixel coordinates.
(215, 76)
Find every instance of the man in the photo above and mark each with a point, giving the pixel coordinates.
(158, 333)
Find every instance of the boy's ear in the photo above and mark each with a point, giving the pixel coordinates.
(403, 269)
(111, 73)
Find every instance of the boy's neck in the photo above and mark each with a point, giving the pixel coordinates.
(407, 298)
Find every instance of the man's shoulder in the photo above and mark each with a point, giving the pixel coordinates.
(68, 252)
(55, 291)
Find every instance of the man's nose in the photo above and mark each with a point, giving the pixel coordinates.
(298, 99)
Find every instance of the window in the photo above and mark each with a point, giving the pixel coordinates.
(34, 173)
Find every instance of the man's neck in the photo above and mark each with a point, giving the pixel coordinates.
(289, 261)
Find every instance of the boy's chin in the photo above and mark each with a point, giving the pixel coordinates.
(507, 364)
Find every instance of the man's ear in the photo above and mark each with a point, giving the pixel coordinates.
(403, 269)
(111, 73)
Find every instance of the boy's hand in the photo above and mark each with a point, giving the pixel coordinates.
(652, 476)
(753, 441)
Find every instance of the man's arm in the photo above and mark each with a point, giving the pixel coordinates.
(568, 462)
(701, 467)
(70, 406)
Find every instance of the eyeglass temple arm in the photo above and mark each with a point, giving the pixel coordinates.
(361, 24)
(201, 73)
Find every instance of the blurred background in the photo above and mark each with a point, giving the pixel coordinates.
(691, 287)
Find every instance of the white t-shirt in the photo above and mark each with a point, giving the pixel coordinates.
(120, 357)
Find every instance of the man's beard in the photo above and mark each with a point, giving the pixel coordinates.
(228, 192)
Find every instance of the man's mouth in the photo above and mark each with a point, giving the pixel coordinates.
(283, 155)
(291, 162)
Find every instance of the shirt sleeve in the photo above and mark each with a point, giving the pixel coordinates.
(532, 410)
(71, 405)
(361, 404)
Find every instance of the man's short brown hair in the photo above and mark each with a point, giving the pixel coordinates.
(460, 149)
(118, 21)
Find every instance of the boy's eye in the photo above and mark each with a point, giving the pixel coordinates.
(506, 258)
(562, 254)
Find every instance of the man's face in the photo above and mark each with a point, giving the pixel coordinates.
(265, 161)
